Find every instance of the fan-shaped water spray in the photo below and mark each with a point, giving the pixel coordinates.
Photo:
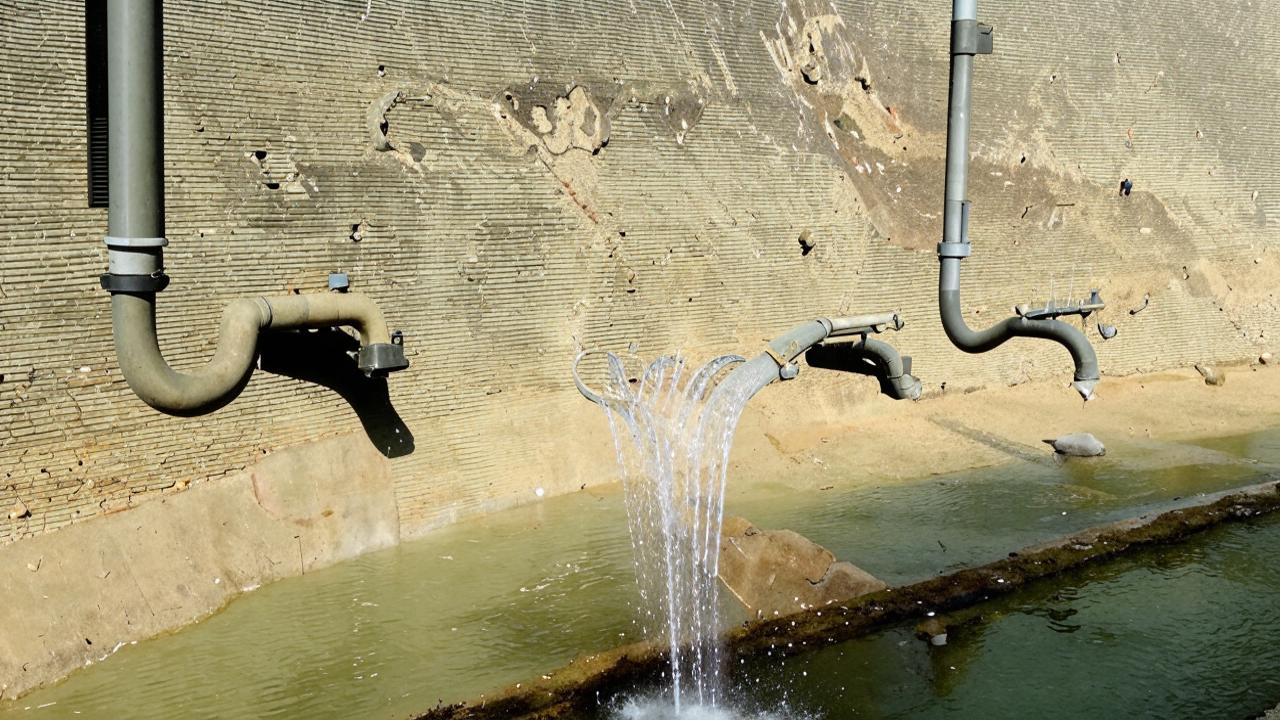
(673, 426)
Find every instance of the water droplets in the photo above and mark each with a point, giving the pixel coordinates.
(672, 428)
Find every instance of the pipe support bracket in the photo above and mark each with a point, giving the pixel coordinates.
(970, 37)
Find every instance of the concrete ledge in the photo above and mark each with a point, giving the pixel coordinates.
(75, 596)
(584, 682)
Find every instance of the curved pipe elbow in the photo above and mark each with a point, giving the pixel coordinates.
(901, 384)
(321, 310)
(149, 375)
(980, 341)
(185, 393)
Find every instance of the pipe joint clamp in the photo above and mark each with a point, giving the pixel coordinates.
(134, 284)
(970, 37)
(959, 250)
(131, 242)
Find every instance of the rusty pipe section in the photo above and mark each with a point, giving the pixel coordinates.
(136, 240)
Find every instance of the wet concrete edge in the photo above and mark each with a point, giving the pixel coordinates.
(587, 681)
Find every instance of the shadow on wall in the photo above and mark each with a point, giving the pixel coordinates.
(322, 357)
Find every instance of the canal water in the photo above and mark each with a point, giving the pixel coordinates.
(503, 598)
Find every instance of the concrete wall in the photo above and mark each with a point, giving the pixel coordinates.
(584, 173)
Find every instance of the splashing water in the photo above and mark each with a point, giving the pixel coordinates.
(654, 709)
(672, 428)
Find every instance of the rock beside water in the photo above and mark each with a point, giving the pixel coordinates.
(1078, 445)
(780, 571)
(1212, 375)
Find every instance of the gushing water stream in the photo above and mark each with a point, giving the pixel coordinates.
(672, 427)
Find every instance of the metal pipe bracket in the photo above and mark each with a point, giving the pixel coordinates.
(1051, 310)
(970, 37)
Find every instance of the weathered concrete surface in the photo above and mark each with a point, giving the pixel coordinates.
(515, 183)
(780, 572)
(552, 175)
(72, 597)
(587, 682)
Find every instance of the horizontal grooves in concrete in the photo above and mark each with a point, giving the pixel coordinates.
(496, 272)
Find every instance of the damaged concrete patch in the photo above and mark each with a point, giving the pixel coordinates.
(377, 122)
(539, 116)
(277, 170)
(400, 122)
(565, 130)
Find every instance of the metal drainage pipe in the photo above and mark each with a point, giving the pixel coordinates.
(136, 239)
(777, 362)
(968, 39)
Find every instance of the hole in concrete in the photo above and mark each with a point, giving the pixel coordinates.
(87, 641)
(272, 185)
(1023, 161)
(260, 155)
(864, 83)
(382, 70)
(806, 244)
(356, 235)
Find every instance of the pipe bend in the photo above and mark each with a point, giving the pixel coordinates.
(319, 310)
(980, 341)
(185, 393)
(177, 392)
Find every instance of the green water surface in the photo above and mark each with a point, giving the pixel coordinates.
(503, 598)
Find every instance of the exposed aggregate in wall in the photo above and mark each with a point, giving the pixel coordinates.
(513, 181)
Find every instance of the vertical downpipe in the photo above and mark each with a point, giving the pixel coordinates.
(955, 231)
(135, 81)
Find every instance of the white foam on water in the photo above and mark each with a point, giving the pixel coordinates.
(663, 709)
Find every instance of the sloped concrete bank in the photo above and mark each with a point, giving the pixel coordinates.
(589, 681)
(74, 597)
